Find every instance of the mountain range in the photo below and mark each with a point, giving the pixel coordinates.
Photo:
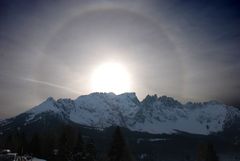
(155, 115)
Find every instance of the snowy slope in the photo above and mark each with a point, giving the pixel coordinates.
(154, 114)
(171, 116)
(105, 109)
(37, 159)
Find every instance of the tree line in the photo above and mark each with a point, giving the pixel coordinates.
(69, 145)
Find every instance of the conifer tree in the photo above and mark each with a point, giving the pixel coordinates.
(49, 145)
(66, 143)
(35, 146)
(206, 152)
(62, 147)
(8, 144)
(90, 151)
(79, 151)
(20, 142)
(119, 150)
(79, 146)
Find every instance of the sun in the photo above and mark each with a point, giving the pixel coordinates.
(111, 77)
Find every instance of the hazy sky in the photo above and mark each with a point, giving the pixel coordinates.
(189, 50)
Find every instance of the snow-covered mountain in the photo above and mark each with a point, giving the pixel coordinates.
(153, 115)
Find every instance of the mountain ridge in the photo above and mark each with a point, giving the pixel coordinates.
(156, 115)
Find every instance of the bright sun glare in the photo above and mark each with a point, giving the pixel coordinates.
(111, 77)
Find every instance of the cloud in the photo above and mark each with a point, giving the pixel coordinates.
(50, 85)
